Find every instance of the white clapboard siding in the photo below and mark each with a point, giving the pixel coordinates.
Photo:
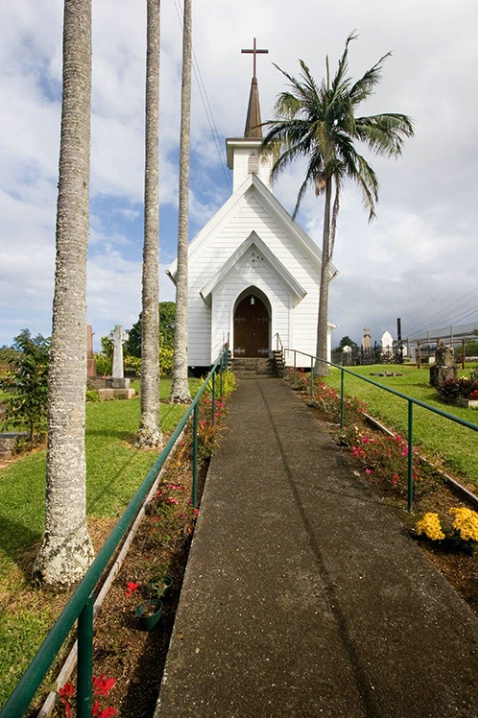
(251, 242)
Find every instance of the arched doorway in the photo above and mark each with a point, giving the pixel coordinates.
(251, 327)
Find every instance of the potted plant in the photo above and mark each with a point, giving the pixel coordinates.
(149, 613)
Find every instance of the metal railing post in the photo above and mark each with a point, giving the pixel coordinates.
(85, 659)
(295, 366)
(213, 398)
(342, 399)
(410, 455)
(195, 456)
(311, 391)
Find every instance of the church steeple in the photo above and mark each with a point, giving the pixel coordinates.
(243, 152)
(253, 120)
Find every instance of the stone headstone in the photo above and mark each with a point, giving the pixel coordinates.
(366, 339)
(387, 342)
(445, 366)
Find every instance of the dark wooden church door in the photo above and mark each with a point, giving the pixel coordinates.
(251, 328)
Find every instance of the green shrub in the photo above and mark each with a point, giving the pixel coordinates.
(132, 365)
(104, 365)
(27, 407)
(452, 389)
(166, 355)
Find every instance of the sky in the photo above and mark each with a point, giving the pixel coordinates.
(417, 260)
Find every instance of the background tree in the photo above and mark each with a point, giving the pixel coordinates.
(167, 312)
(180, 387)
(66, 549)
(318, 122)
(149, 433)
(346, 342)
(28, 382)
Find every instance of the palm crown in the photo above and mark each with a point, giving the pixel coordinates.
(318, 122)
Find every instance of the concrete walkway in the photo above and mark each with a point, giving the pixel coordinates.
(303, 596)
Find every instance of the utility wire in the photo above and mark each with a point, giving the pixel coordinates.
(207, 107)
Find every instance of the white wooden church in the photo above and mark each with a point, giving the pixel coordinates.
(253, 273)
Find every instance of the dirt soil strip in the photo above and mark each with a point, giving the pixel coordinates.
(71, 659)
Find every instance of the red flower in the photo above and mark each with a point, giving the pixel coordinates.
(131, 588)
(102, 685)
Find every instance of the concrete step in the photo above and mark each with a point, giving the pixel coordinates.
(252, 367)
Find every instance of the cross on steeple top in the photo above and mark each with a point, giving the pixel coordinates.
(254, 52)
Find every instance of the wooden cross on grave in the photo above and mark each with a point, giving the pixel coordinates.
(254, 52)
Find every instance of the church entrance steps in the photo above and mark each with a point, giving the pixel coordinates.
(252, 367)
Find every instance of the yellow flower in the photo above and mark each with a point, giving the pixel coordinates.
(466, 523)
(431, 527)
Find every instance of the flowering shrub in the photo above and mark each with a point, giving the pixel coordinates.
(462, 533)
(430, 527)
(380, 454)
(101, 687)
(327, 398)
(474, 395)
(452, 389)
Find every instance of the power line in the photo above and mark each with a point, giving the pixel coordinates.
(207, 107)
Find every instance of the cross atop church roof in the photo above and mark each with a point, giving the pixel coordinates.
(254, 52)
(253, 120)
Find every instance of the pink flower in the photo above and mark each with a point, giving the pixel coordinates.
(368, 471)
(172, 501)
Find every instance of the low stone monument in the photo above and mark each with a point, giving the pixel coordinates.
(444, 367)
(116, 386)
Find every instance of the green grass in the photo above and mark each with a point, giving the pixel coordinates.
(456, 445)
(115, 469)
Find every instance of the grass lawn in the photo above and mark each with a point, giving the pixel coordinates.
(115, 469)
(436, 436)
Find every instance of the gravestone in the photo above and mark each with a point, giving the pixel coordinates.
(386, 347)
(444, 367)
(366, 340)
(91, 362)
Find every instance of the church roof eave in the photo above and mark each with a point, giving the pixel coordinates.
(253, 183)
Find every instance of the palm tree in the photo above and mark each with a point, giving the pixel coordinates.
(318, 122)
(180, 388)
(66, 550)
(149, 434)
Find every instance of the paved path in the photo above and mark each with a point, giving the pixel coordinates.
(303, 597)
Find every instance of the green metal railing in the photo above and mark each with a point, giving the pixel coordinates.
(80, 606)
(411, 403)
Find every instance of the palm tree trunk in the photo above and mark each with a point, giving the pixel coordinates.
(149, 434)
(180, 387)
(66, 550)
(322, 369)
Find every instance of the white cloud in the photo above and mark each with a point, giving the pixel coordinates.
(422, 242)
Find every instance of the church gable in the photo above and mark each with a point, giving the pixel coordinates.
(249, 261)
